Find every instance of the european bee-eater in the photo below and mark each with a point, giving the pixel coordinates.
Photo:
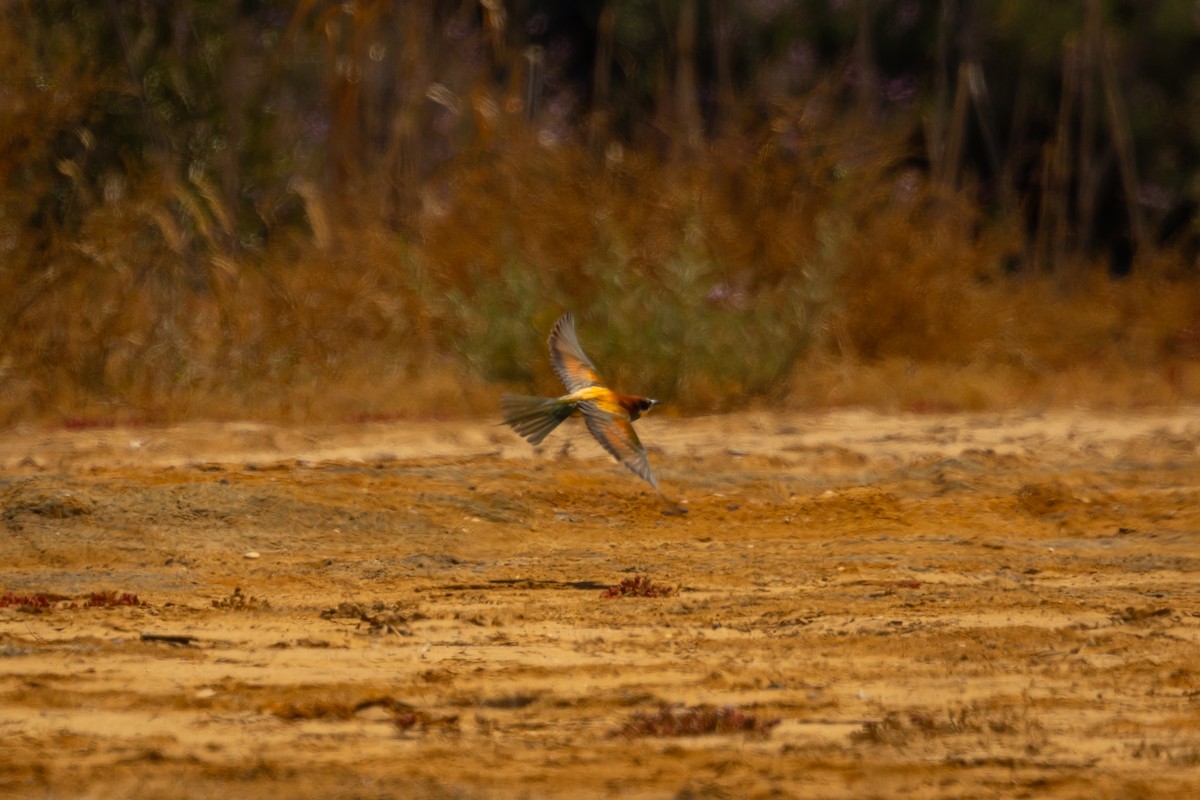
(607, 414)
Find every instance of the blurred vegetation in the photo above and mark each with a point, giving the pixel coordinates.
(360, 210)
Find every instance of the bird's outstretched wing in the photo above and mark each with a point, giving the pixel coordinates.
(615, 434)
(574, 368)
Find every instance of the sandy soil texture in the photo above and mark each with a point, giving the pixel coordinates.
(1001, 605)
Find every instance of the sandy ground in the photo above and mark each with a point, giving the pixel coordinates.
(1001, 605)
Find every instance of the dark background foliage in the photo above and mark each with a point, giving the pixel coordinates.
(212, 208)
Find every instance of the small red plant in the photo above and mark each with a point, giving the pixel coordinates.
(38, 601)
(110, 599)
(44, 601)
(695, 721)
(640, 586)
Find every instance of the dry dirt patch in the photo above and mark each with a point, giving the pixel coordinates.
(856, 605)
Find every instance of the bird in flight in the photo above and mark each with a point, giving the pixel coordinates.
(608, 415)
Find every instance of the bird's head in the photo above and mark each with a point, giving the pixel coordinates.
(640, 405)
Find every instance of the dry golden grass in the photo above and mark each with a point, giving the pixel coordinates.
(821, 276)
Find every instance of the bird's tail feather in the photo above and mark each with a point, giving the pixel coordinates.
(534, 417)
